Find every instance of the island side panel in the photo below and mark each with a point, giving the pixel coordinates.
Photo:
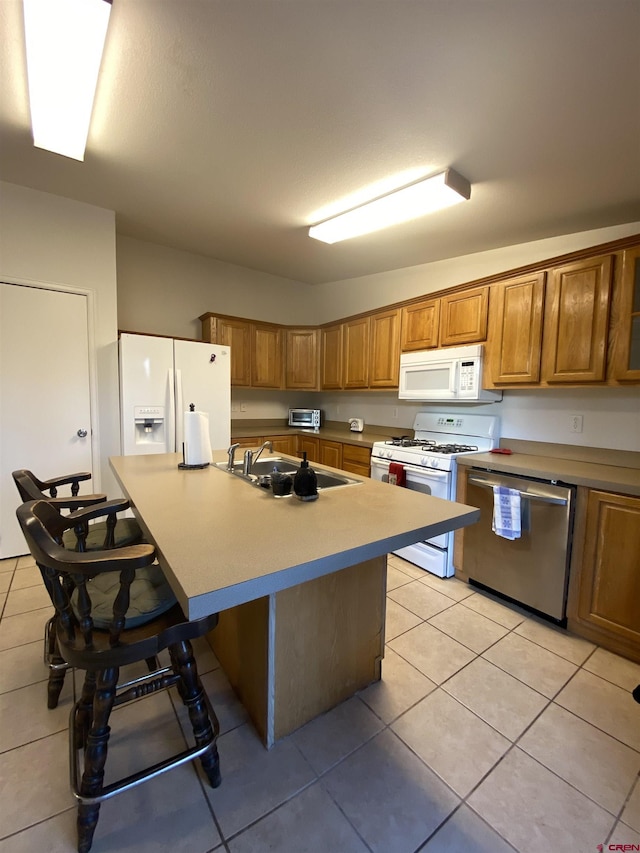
(329, 641)
(240, 642)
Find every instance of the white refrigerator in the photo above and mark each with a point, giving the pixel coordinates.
(159, 379)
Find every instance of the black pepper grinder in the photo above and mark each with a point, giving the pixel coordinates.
(305, 482)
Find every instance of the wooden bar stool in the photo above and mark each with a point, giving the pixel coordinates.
(106, 619)
(82, 536)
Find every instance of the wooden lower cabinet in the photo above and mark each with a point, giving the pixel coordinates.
(330, 453)
(604, 594)
(310, 445)
(283, 444)
(337, 622)
(356, 460)
(248, 442)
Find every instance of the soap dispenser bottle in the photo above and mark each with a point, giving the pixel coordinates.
(305, 482)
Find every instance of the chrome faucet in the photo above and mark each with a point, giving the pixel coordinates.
(250, 459)
(231, 453)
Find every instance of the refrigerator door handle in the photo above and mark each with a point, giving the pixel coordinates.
(171, 413)
(179, 411)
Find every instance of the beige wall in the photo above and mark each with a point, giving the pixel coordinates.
(163, 291)
(52, 240)
(352, 296)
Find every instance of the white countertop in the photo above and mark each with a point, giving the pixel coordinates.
(222, 541)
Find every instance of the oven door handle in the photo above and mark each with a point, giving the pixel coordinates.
(532, 496)
(427, 473)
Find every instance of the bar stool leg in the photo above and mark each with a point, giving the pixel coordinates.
(95, 755)
(205, 729)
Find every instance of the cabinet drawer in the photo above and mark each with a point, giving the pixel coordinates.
(356, 460)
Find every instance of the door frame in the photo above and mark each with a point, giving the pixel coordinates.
(90, 298)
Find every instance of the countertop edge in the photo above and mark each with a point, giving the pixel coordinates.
(590, 474)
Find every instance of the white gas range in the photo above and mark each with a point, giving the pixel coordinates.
(426, 462)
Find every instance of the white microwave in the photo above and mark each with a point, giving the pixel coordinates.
(444, 375)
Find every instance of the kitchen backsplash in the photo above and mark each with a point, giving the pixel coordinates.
(610, 416)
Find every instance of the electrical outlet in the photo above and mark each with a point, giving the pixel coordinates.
(575, 423)
(337, 410)
(395, 412)
(243, 407)
(234, 407)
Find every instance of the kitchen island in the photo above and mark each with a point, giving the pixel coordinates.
(300, 586)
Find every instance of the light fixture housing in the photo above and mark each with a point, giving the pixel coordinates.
(64, 42)
(409, 202)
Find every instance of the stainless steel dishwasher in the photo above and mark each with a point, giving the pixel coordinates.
(534, 569)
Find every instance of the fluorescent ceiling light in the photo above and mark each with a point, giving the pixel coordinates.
(434, 193)
(65, 39)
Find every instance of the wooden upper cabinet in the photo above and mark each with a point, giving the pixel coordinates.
(576, 319)
(515, 330)
(266, 356)
(356, 353)
(236, 334)
(331, 357)
(301, 359)
(420, 325)
(384, 349)
(626, 325)
(463, 316)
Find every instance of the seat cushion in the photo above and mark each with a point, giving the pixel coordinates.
(150, 594)
(127, 532)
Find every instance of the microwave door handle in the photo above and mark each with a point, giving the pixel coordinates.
(453, 378)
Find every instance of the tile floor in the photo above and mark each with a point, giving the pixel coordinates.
(490, 732)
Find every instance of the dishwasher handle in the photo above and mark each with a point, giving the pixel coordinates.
(532, 496)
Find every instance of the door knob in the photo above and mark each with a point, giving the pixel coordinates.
(82, 433)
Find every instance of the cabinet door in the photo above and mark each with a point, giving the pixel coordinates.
(266, 357)
(576, 318)
(515, 330)
(609, 596)
(356, 460)
(301, 362)
(463, 317)
(331, 354)
(356, 353)
(310, 445)
(626, 327)
(384, 349)
(331, 453)
(236, 334)
(254, 442)
(420, 325)
(283, 444)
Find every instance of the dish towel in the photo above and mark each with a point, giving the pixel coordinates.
(397, 475)
(506, 512)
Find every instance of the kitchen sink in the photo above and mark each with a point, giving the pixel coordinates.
(260, 473)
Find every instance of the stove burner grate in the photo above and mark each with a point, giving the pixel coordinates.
(453, 448)
(407, 441)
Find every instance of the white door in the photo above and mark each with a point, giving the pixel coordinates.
(45, 408)
(203, 377)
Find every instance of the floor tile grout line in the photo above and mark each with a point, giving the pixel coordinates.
(37, 823)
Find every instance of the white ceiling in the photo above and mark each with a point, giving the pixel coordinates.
(226, 127)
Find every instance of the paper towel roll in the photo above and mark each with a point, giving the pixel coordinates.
(197, 443)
